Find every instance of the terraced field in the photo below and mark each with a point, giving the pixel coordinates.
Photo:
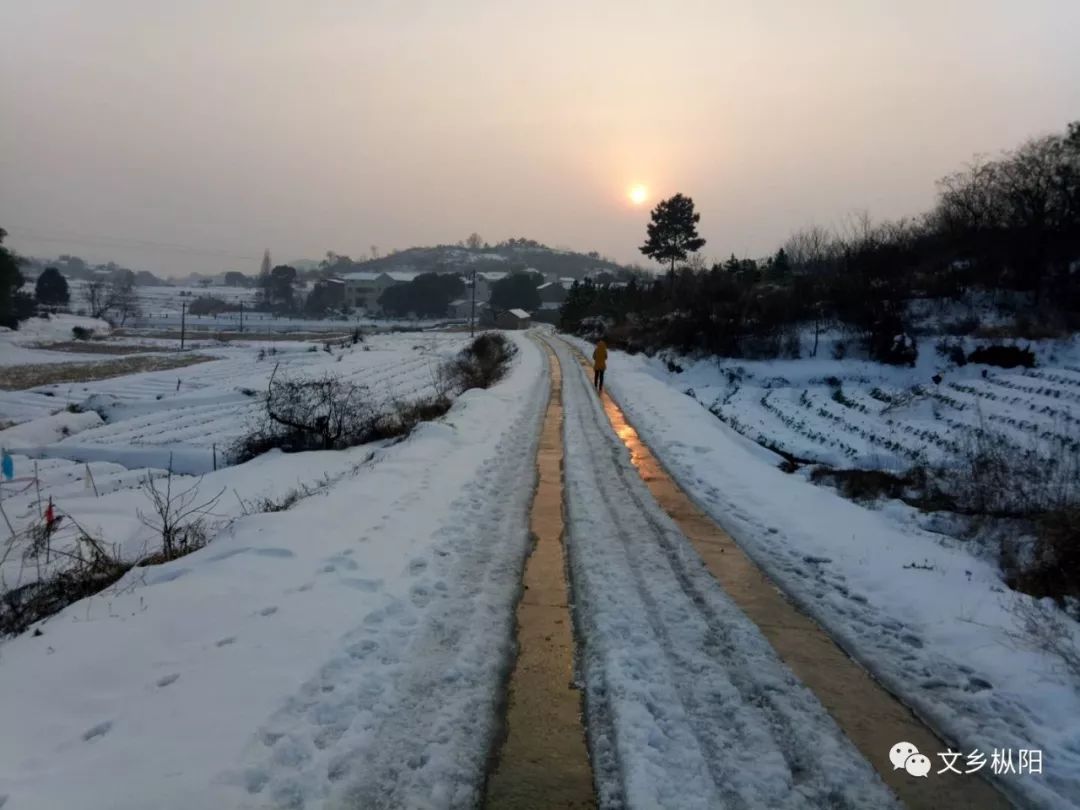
(192, 414)
(893, 419)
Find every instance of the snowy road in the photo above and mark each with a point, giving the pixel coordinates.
(687, 704)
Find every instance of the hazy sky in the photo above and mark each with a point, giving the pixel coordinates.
(177, 136)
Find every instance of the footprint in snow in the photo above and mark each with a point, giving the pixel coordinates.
(279, 553)
(168, 679)
(417, 566)
(255, 779)
(365, 585)
(268, 611)
(224, 642)
(420, 595)
(100, 730)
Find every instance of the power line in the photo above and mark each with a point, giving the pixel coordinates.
(120, 241)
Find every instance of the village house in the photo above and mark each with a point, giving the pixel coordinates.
(513, 319)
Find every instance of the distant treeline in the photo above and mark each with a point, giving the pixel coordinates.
(1009, 225)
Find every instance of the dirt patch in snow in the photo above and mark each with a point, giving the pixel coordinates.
(95, 347)
(543, 761)
(17, 378)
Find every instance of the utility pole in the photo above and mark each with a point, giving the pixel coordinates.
(183, 323)
(241, 317)
(472, 313)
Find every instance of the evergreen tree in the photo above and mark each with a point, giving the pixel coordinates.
(51, 288)
(266, 295)
(780, 265)
(517, 291)
(672, 232)
(13, 304)
(279, 291)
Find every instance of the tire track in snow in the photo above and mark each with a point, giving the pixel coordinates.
(688, 704)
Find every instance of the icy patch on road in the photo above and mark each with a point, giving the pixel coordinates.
(688, 704)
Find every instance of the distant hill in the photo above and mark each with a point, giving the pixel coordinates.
(72, 267)
(516, 254)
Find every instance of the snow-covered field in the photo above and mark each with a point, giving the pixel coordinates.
(17, 347)
(927, 615)
(93, 463)
(850, 413)
(347, 651)
(160, 309)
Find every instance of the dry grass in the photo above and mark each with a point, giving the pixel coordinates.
(226, 335)
(96, 347)
(17, 378)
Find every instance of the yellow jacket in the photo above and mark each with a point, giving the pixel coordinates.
(599, 356)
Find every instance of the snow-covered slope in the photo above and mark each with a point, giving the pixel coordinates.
(346, 651)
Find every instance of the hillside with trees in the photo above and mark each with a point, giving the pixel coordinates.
(1003, 237)
(474, 254)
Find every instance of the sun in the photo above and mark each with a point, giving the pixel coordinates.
(638, 194)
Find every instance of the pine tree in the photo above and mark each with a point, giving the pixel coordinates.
(12, 302)
(672, 232)
(264, 281)
(51, 288)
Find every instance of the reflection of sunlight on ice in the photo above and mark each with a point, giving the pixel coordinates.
(640, 456)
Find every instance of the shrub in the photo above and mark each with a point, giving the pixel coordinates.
(482, 363)
(209, 305)
(327, 413)
(322, 412)
(1054, 567)
(81, 333)
(88, 569)
(964, 326)
(1003, 356)
(863, 485)
(898, 350)
(952, 350)
(404, 416)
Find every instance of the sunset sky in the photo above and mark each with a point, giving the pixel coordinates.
(181, 136)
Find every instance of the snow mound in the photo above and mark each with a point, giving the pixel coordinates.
(48, 429)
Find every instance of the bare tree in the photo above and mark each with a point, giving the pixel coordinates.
(97, 297)
(811, 248)
(474, 242)
(334, 411)
(123, 300)
(179, 517)
(114, 298)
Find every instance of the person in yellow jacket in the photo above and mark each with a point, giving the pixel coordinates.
(599, 362)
